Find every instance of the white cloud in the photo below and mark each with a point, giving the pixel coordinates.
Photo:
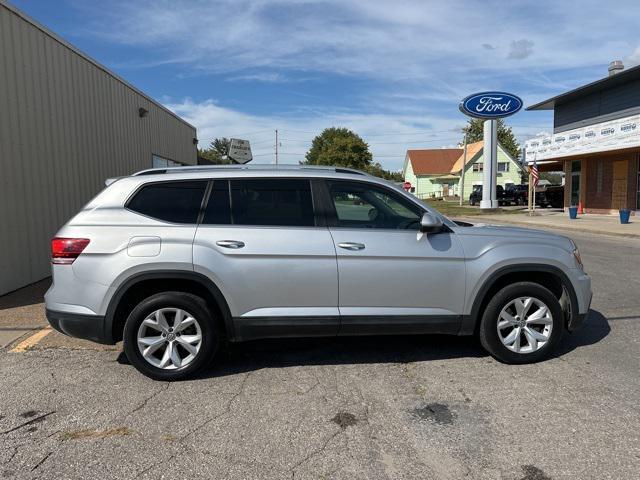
(409, 39)
(634, 58)
(260, 77)
(388, 135)
(520, 49)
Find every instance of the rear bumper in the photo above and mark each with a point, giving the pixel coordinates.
(88, 327)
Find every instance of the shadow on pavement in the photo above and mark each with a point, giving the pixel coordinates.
(292, 352)
(594, 329)
(30, 295)
(255, 355)
(258, 354)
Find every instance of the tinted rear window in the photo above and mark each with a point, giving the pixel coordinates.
(276, 202)
(218, 210)
(176, 202)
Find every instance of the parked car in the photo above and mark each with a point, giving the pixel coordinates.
(176, 261)
(501, 195)
(518, 194)
(550, 196)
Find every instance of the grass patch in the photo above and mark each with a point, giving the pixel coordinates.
(82, 434)
(453, 209)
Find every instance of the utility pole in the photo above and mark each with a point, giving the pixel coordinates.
(464, 166)
(276, 146)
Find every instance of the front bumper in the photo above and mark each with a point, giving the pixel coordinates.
(578, 319)
(88, 327)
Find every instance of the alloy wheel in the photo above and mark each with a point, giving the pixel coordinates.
(525, 325)
(169, 338)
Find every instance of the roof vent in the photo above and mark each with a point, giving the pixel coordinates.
(615, 67)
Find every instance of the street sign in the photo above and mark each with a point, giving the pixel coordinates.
(490, 105)
(406, 186)
(240, 150)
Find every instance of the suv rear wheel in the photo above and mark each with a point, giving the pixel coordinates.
(522, 323)
(170, 336)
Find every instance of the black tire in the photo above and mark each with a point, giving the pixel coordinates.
(193, 304)
(488, 326)
(520, 201)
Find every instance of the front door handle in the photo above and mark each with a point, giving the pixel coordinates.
(351, 246)
(230, 243)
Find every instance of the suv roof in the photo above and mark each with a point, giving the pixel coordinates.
(258, 167)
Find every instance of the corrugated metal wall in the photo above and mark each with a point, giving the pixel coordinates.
(66, 125)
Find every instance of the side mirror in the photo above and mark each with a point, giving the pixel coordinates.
(431, 223)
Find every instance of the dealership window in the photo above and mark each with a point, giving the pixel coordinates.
(575, 182)
(478, 167)
(176, 202)
(638, 187)
(161, 162)
(503, 166)
(599, 176)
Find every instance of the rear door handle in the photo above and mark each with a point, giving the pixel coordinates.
(351, 246)
(230, 243)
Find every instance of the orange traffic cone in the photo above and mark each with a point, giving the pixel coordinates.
(580, 211)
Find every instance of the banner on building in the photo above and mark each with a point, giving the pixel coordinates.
(601, 137)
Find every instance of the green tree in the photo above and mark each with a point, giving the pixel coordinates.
(475, 133)
(377, 170)
(217, 152)
(339, 147)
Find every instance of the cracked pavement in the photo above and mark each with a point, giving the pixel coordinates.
(430, 407)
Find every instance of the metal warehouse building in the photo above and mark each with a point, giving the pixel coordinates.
(66, 124)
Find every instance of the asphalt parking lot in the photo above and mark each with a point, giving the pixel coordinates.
(385, 407)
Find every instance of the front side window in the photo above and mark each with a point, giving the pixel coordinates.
(478, 167)
(359, 205)
(272, 202)
(175, 202)
(503, 166)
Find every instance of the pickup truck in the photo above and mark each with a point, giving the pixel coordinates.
(503, 197)
(550, 196)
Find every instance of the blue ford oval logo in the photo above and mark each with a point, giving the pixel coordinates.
(490, 105)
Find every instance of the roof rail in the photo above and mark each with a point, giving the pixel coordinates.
(267, 167)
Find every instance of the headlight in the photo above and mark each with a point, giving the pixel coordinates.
(576, 255)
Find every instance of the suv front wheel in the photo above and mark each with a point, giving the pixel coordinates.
(522, 323)
(170, 336)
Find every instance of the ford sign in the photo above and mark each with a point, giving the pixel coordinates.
(490, 105)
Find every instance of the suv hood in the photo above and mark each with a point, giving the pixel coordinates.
(502, 232)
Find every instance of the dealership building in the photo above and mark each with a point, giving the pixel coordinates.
(595, 141)
(66, 124)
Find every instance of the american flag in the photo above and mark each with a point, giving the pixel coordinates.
(533, 169)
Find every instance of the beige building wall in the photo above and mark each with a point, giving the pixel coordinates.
(66, 124)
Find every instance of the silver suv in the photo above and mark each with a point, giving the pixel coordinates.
(174, 261)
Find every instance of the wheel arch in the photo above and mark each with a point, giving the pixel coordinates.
(141, 285)
(560, 286)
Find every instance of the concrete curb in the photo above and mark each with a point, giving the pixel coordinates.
(500, 221)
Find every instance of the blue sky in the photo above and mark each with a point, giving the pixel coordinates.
(394, 71)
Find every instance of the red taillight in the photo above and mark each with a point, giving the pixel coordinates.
(66, 250)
